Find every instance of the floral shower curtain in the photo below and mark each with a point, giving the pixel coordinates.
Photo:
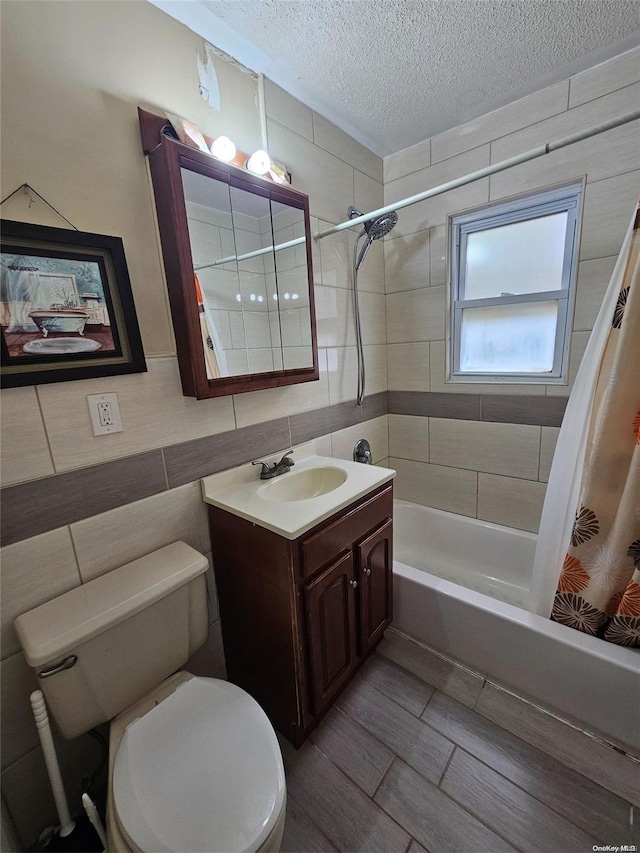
(599, 587)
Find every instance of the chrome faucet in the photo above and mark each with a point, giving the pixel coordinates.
(281, 467)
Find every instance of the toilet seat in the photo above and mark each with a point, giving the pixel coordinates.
(200, 771)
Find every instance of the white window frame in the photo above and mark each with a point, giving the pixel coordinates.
(558, 200)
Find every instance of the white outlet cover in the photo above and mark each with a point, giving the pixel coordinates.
(93, 401)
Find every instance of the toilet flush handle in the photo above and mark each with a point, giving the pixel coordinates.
(67, 663)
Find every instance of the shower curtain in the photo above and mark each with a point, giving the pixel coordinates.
(587, 565)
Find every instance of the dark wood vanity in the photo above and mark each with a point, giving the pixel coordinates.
(299, 617)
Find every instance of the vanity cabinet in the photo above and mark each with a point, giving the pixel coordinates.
(300, 616)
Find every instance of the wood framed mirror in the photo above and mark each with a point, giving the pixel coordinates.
(241, 297)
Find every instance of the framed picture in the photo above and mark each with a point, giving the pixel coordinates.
(66, 307)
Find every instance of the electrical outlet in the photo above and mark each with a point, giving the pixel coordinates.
(105, 414)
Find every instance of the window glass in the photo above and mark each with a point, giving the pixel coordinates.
(509, 338)
(523, 257)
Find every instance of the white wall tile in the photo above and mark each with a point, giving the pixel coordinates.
(438, 255)
(608, 208)
(109, 540)
(371, 275)
(373, 318)
(336, 255)
(324, 447)
(564, 124)
(256, 327)
(437, 174)
(451, 489)
(599, 157)
(416, 315)
(509, 501)
(327, 180)
(376, 431)
(337, 142)
(547, 449)
(260, 360)
(510, 449)
(408, 160)
(257, 406)
(33, 571)
(295, 357)
(25, 452)
(520, 113)
(434, 211)
(334, 317)
(154, 414)
(343, 371)
(408, 366)
(593, 279)
(19, 733)
(409, 437)
(287, 110)
(594, 82)
(406, 262)
(369, 195)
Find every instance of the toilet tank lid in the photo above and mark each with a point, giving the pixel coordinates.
(60, 625)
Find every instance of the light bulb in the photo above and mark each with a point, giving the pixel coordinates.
(294, 296)
(275, 296)
(238, 297)
(259, 163)
(253, 297)
(287, 295)
(223, 148)
(260, 299)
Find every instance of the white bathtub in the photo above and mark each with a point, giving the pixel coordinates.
(456, 581)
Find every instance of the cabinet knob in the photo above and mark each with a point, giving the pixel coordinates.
(354, 584)
(367, 572)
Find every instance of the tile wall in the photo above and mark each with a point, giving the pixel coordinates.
(76, 506)
(488, 455)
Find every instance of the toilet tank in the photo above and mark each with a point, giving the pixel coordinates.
(98, 648)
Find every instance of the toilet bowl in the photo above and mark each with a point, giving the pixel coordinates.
(195, 766)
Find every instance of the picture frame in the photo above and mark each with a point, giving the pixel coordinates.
(66, 306)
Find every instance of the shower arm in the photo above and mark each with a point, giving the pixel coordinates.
(532, 154)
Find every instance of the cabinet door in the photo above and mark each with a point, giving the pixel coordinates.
(331, 629)
(375, 576)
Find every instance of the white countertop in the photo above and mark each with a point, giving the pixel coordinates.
(238, 491)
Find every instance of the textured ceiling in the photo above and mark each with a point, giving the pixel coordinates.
(398, 71)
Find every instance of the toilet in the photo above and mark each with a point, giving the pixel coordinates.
(194, 763)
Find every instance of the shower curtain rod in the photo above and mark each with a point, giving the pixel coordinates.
(539, 151)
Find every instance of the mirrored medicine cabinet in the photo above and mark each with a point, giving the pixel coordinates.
(241, 298)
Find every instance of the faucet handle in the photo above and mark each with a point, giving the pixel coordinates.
(266, 469)
(284, 461)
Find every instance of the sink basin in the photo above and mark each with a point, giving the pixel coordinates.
(302, 485)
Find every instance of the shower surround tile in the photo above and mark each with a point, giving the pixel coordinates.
(409, 437)
(408, 367)
(510, 501)
(498, 448)
(451, 489)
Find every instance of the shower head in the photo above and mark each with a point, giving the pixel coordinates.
(378, 227)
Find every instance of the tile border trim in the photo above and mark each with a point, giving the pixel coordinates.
(37, 506)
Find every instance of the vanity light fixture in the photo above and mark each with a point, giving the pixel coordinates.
(223, 148)
(259, 163)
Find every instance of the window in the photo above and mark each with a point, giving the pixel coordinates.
(512, 281)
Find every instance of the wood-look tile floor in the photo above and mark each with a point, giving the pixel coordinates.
(397, 765)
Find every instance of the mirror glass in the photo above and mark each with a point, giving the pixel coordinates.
(253, 298)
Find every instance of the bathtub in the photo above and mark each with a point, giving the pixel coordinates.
(461, 586)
